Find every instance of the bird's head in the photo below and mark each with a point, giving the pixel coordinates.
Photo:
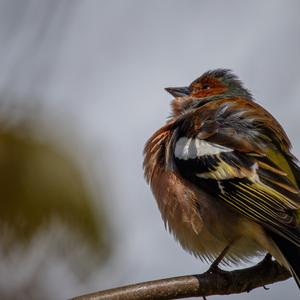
(210, 86)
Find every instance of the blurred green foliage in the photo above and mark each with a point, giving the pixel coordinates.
(40, 184)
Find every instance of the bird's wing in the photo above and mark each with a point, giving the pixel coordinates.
(237, 152)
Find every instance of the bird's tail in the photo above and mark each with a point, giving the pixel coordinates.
(291, 254)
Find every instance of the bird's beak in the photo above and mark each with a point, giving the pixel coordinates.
(178, 91)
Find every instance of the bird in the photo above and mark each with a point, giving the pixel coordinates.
(223, 175)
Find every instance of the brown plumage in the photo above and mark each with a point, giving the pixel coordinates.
(223, 175)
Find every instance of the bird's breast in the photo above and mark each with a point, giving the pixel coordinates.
(199, 222)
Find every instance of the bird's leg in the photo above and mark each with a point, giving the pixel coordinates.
(267, 259)
(214, 266)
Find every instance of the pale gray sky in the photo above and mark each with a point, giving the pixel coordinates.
(97, 71)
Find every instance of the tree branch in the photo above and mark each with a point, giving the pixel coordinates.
(206, 284)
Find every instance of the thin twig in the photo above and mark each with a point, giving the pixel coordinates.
(206, 284)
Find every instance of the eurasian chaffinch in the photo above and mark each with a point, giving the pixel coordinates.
(223, 175)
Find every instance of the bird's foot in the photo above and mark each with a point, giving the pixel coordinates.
(214, 268)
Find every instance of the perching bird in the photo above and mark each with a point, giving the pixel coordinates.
(223, 175)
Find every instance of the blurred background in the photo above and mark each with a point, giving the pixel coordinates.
(81, 90)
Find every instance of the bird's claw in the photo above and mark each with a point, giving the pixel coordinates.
(214, 268)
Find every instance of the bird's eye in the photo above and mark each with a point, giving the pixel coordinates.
(206, 86)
